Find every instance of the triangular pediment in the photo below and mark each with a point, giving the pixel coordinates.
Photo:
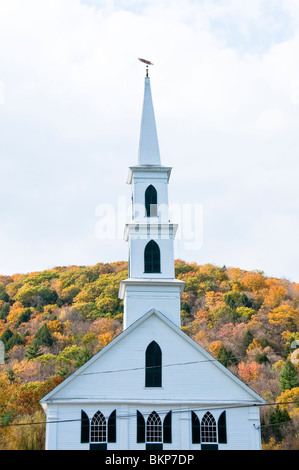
(190, 373)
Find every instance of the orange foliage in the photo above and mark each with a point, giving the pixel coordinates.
(276, 293)
(105, 338)
(201, 316)
(248, 371)
(26, 369)
(253, 281)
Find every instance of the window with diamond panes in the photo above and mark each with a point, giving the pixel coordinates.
(98, 428)
(208, 428)
(154, 428)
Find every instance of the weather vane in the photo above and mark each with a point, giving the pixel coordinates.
(147, 62)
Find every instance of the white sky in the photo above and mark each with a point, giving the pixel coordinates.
(225, 85)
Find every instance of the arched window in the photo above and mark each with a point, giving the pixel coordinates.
(152, 258)
(208, 428)
(98, 428)
(153, 365)
(151, 201)
(154, 428)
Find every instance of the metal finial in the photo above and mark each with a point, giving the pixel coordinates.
(147, 62)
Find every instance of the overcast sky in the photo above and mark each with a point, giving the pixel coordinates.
(225, 86)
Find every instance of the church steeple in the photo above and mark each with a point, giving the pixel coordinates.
(149, 153)
(150, 234)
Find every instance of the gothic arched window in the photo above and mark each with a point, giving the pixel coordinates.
(154, 428)
(151, 201)
(152, 258)
(153, 365)
(98, 428)
(208, 428)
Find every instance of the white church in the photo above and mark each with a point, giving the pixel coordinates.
(152, 387)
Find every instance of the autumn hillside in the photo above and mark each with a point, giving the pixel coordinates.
(52, 322)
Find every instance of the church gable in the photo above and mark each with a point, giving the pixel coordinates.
(153, 359)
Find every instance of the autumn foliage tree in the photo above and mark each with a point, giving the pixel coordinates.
(53, 321)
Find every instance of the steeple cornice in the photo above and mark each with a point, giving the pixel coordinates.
(148, 169)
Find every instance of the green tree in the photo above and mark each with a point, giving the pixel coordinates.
(226, 357)
(6, 335)
(10, 339)
(247, 339)
(43, 337)
(24, 317)
(34, 296)
(4, 296)
(33, 351)
(288, 378)
(274, 423)
(15, 339)
(261, 358)
(4, 311)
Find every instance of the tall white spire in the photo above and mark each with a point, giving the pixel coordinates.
(150, 234)
(149, 153)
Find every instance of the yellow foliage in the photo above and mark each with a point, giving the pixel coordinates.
(254, 345)
(277, 366)
(55, 326)
(31, 437)
(104, 339)
(284, 316)
(295, 358)
(271, 445)
(15, 311)
(214, 299)
(200, 338)
(3, 326)
(215, 347)
(289, 400)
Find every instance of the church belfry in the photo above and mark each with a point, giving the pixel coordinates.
(150, 233)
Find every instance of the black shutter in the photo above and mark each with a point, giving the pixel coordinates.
(112, 427)
(84, 427)
(222, 437)
(140, 428)
(195, 428)
(167, 429)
